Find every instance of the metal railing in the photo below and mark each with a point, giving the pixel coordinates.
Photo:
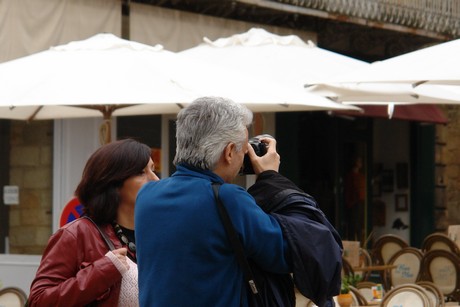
(438, 16)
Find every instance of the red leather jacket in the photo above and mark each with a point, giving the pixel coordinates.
(74, 271)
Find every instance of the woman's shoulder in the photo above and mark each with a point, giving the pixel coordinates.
(80, 225)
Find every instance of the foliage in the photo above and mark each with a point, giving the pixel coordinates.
(349, 280)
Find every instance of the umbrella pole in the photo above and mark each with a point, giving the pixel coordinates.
(105, 133)
(105, 130)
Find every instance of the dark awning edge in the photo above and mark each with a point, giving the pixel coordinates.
(426, 113)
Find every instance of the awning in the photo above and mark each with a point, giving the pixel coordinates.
(416, 112)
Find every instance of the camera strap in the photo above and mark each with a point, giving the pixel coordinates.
(236, 243)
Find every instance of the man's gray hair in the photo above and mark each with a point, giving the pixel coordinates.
(206, 126)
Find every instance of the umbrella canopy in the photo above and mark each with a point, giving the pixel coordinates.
(106, 75)
(84, 78)
(437, 64)
(277, 66)
(429, 75)
(384, 93)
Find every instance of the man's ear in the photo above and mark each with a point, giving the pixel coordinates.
(229, 152)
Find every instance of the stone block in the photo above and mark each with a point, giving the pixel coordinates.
(441, 220)
(38, 178)
(16, 176)
(25, 156)
(35, 217)
(43, 235)
(22, 236)
(46, 202)
(15, 219)
(46, 156)
(29, 199)
(38, 132)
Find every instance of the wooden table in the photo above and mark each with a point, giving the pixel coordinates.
(375, 268)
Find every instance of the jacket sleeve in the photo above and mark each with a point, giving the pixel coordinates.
(70, 275)
(259, 232)
(315, 247)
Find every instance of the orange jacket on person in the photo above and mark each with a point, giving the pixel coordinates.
(74, 270)
(355, 189)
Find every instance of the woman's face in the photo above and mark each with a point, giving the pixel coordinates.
(131, 186)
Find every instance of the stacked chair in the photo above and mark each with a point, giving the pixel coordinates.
(12, 297)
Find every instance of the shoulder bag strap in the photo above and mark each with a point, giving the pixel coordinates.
(103, 234)
(234, 240)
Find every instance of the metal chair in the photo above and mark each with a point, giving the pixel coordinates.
(347, 269)
(358, 298)
(433, 292)
(365, 288)
(12, 297)
(442, 268)
(407, 261)
(383, 249)
(439, 240)
(408, 295)
(365, 260)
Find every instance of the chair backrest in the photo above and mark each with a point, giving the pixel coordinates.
(358, 298)
(407, 261)
(12, 297)
(408, 295)
(442, 268)
(347, 269)
(386, 246)
(383, 249)
(365, 288)
(433, 292)
(365, 260)
(439, 240)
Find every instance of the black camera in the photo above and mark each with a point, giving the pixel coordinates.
(260, 149)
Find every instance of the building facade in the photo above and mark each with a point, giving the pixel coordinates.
(44, 159)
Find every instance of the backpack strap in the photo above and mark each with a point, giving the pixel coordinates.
(236, 243)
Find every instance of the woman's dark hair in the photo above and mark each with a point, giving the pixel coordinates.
(104, 173)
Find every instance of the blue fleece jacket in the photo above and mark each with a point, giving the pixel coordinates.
(184, 255)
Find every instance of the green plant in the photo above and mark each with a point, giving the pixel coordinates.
(349, 280)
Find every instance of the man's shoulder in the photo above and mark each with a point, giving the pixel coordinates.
(148, 186)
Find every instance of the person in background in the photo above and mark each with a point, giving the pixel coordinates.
(184, 255)
(77, 267)
(355, 196)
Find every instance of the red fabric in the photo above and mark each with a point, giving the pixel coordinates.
(74, 271)
(415, 112)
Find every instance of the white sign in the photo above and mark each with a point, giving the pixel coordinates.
(11, 195)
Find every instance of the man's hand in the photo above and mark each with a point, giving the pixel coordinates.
(269, 161)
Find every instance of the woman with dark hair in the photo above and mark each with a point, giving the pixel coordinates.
(77, 267)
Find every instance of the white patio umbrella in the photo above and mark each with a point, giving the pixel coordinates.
(81, 78)
(438, 64)
(429, 75)
(100, 76)
(277, 65)
(108, 76)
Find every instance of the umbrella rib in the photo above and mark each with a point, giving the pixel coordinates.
(32, 117)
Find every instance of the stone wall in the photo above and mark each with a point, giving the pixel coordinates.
(450, 135)
(31, 168)
(31, 160)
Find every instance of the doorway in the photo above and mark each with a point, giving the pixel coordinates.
(317, 151)
(354, 191)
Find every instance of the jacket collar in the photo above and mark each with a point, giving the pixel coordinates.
(188, 170)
